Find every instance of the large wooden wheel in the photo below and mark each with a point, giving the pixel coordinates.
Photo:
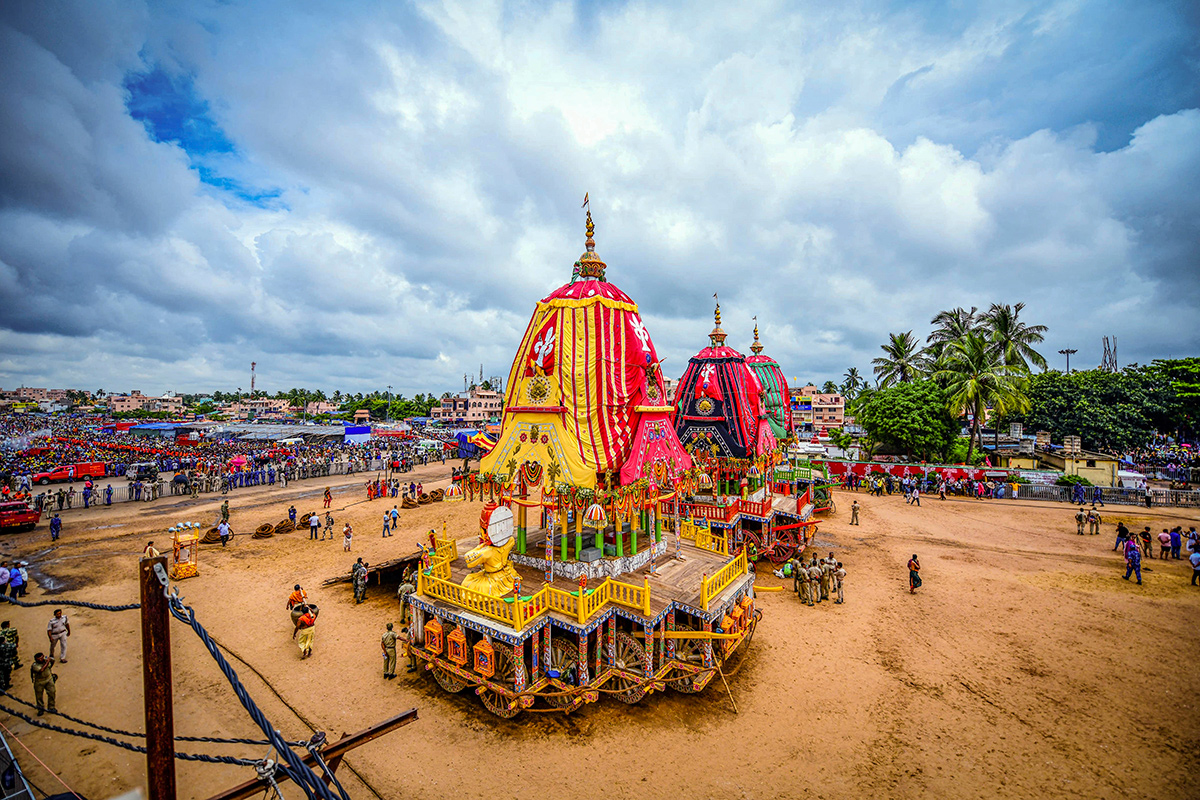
(564, 659)
(689, 651)
(448, 680)
(631, 658)
(506, 674)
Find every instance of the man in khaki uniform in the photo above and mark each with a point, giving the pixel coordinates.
(826, 577)
(388, 643)
(814, 582)
(854, 512)
(839, 575)
(1094, 522)
(1079, 520)
(40, 671)
(801, 573)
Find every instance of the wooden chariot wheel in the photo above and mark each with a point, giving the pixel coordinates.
(564, 659)
(448, 680)
(630, 657)
(506, 674)
(689, 651)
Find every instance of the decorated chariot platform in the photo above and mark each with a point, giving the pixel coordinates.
(590, 576)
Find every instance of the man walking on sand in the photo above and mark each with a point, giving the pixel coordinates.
(57, 632)
(914, 574)
(1133, 561)
(298, 597)
(1080, 519)
(854, 512)
(305, 627)
(314, 525)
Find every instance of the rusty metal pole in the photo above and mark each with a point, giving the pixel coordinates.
(156, 680)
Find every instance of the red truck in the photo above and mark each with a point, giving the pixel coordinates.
(71, 473)
(16, 515)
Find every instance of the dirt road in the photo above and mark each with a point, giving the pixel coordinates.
(1024, 667)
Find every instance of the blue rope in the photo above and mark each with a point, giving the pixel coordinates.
(296, 769)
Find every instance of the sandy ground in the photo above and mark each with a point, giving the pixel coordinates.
(1024, 667)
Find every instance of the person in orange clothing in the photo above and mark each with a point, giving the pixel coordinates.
(328, 497)
(297, 598)
(305, 627)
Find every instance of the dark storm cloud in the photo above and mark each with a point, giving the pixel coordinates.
(375, 194)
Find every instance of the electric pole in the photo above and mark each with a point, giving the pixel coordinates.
(156, 679)
(1068, 353)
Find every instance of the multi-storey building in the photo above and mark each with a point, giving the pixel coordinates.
(816, 410)
(474, 407)
(136, 401)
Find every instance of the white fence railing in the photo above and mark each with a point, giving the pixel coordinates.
(1109, 496)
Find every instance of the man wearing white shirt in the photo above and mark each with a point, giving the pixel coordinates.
(57, 632)
(4, 573)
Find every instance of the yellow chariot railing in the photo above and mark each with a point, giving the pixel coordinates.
(518, 612)
(704, 538)
(713, 585)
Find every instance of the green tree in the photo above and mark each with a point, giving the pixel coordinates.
(1183, 377)
(829, 388)
(902, 362)
(975, 377)
(911, 417)
(1114, 412)
(1013, 338)
(852, 384)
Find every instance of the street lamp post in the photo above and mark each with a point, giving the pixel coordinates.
(1068, 353)
(388, 412)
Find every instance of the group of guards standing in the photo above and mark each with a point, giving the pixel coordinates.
(818, 579)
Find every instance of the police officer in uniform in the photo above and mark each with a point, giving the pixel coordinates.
(388, 643)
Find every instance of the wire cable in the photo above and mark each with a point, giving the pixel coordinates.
(300, 773)
(207, 759)
(137, 735)
(76, 603)
(33, 755)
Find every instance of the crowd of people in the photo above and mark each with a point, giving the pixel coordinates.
(913, 486)
(32, 444)
(817, 580)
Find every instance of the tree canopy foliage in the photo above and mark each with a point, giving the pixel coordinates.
(911, 417)
(1114, 412)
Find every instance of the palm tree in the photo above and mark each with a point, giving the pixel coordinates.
(829, 388)
(949, 326)
(1012, 338)
(852, 384)
(904, 361)
(976, 377)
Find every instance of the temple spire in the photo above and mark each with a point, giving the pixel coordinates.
(756, 348)
(589, 264)
(717, 337)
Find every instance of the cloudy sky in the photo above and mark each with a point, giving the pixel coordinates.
(362, 194)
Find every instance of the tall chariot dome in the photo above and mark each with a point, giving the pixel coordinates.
(585, 403)
(777, 405)
(719, 403)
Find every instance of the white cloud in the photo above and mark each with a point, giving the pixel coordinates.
(841, 172)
